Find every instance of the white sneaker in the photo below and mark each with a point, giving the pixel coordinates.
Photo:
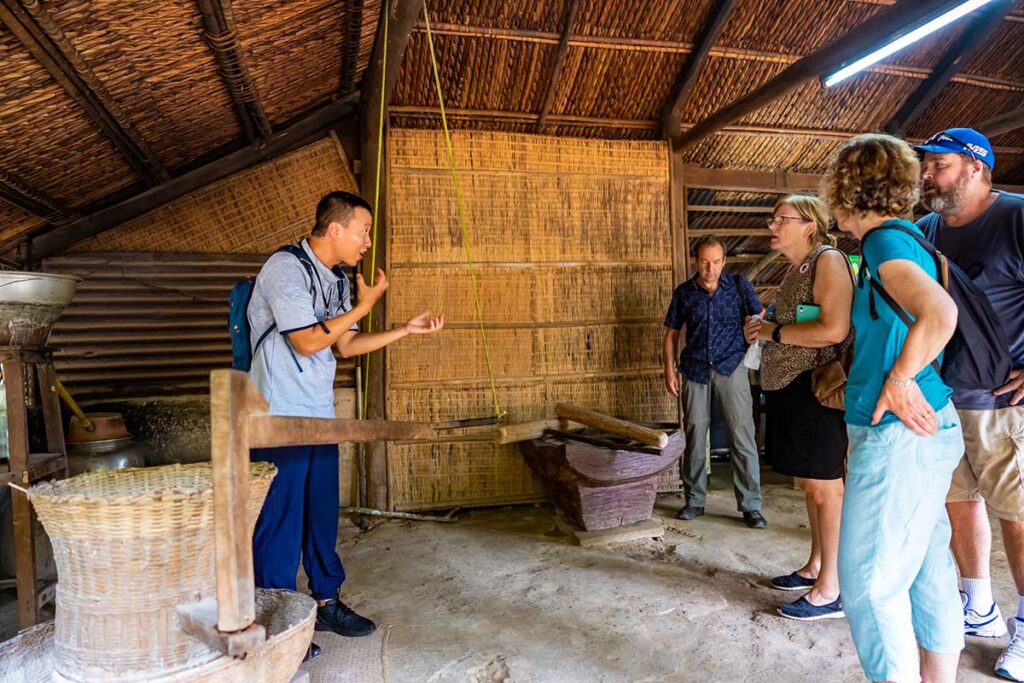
(1011, 663)
(988, 624)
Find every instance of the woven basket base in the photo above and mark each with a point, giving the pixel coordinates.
(288, 617)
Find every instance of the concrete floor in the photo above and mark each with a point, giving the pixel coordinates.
(502, 596)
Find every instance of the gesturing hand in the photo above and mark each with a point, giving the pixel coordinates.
(909, 405)
(1016, 385)
(370, 295)
(752, 330)
(424, 323)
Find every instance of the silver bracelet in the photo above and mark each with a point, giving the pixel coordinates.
(901, 383)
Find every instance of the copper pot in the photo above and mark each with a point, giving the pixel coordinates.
(106, 426)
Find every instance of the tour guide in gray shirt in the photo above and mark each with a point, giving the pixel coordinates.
(294, 368)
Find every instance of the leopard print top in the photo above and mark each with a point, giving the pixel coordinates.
(782, 363)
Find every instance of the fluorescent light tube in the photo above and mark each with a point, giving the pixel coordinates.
(905, 40)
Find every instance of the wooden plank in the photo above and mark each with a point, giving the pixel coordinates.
(269, 431)
(980, 29)
(524, 431)
(199, 620)
(379, 82)
(696, 234)
(556, 68)
(748, 181)
(875, 29)
(316, 124)
(603, 443)
(17, 193)
(710, 208)
(613, 425)
(232, 398)
(637, 531)
(49, 397)
(765, 261)
(672, 112)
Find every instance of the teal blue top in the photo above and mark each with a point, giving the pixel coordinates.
(879, 342)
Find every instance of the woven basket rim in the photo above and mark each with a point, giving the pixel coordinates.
(74, 489)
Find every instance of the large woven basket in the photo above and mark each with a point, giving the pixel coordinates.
(288, 617)
(130, 546)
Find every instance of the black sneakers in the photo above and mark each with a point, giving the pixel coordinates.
(312, 653)
(690, 512)
(754, 519)
(336, 616)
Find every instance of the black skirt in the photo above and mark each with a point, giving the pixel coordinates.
(802, 437)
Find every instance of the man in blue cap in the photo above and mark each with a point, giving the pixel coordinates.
(982, 231)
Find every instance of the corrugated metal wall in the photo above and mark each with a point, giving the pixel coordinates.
(149, 324)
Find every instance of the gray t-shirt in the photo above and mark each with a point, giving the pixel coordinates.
(293, 384)
(990, 249)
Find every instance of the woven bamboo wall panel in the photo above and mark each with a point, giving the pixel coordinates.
(574, 256)
(516, 216)
(252, 212)
(479, 151)
(430, 358)
(518, 294)
(472, 474)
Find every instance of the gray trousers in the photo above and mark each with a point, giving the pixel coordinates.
(733, 393)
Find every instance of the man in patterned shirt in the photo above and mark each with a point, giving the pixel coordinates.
(713, 309)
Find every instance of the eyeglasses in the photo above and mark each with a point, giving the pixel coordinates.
(780, 220)
(943, 136)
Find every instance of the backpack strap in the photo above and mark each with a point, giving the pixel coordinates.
(876, 286)
(744, 304)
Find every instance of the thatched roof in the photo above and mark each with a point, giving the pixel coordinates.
(100, 99)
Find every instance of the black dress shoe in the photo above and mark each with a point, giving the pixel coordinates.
(312, 653)
(690, 512)
(754, 519)
(334, 615)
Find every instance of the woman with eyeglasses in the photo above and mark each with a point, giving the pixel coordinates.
(896, 571)
(805, 439)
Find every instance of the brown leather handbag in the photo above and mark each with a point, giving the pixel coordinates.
(828, 382)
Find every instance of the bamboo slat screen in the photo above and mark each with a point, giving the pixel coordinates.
(574, 266)
(252, 212)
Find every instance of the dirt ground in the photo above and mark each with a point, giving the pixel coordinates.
(501, 596)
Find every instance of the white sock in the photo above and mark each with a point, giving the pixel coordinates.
(1020, 607)
(979, 593)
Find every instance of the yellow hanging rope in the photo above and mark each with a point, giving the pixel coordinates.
(498, 412)
(376, 203)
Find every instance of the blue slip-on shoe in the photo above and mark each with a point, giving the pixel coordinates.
(792, 582)
(802, 610)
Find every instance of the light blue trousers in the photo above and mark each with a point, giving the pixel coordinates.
(896, 571)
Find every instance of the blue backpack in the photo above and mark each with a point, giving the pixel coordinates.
(978, 356)
(242, 352)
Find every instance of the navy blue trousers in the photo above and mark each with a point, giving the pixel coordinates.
(300, 518)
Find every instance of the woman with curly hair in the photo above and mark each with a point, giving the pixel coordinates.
(896, 571)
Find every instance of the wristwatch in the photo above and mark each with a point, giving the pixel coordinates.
(777, 334)
(901, 383)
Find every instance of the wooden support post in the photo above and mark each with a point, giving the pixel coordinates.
(678, 218)
(613, 425)
(232, 398)
(16, 386)
(379, 82)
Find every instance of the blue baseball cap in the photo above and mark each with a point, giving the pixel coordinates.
(961, 141)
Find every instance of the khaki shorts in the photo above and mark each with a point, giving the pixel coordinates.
(992, 469)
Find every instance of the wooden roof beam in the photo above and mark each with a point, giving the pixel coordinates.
(672, 114)
(33, 26)
(310, 127)
(353, 40)
(981, 28)
(222, 37)
(876, 29)
(36, 203)
(1004, 123)
(556, 68)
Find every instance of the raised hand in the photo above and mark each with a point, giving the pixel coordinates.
(424, 323)
(368, 295)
